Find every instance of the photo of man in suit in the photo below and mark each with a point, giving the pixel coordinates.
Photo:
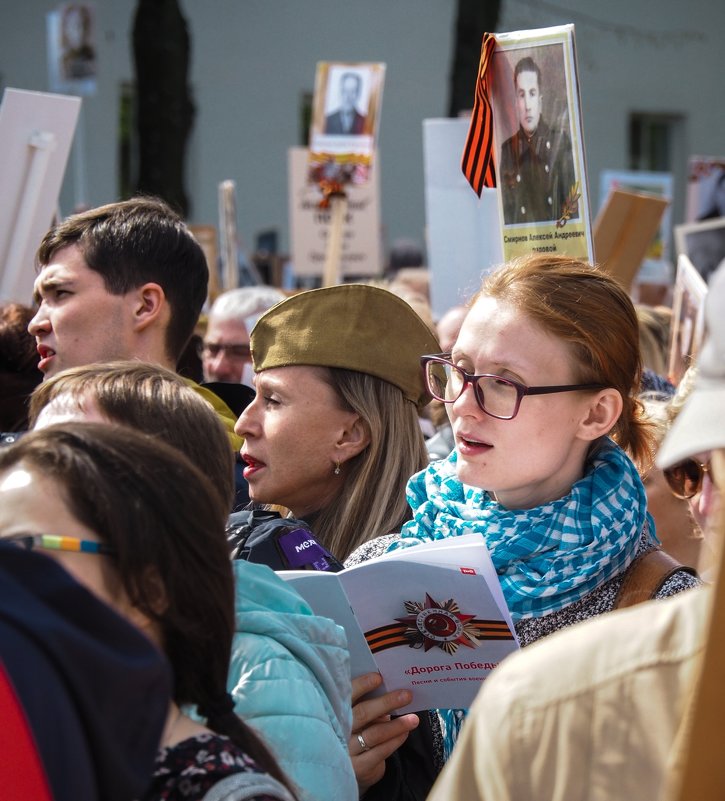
(347, 119)
(536, 168)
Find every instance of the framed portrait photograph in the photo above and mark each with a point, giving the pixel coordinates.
(705, 188)
(72, 49)
(703, 243)
(688, 319)
(346, 114)
(538, 144)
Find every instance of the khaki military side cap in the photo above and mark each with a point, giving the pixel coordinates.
(353, 326)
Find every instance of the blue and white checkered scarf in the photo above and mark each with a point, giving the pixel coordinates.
(547, 557)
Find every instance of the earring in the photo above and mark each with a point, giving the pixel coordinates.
(336, 471)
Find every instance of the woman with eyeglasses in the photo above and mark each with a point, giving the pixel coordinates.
(541, 391)
(686, 485)
(135, 522)
(690, 481)
(681, 498)
(691, 478)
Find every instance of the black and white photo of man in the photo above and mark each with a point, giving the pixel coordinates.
(347, 120)
(536, 168)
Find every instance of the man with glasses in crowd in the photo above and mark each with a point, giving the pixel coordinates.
(225, 353)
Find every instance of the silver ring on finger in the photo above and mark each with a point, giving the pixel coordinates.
(363, 744)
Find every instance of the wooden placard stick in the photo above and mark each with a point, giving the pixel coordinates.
(333, 254)
(228, 235)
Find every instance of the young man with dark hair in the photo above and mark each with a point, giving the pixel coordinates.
(122, 281)
(125, 280)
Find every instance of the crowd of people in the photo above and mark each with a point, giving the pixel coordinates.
(144, 514)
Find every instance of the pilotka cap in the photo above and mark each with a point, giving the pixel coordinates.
(352, 326)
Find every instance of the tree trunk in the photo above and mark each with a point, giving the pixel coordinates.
(474, 18)
(165, 111)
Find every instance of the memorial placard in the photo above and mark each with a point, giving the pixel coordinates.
(538, 144)
(360, 252)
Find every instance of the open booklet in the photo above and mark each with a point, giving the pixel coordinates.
(430, 618)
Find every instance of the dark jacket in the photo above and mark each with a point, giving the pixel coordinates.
(93, 690)
(333, 124)
(536, 175)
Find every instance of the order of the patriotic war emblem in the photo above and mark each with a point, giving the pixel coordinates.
(430, 624)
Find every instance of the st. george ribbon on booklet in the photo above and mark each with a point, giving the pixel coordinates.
(430, 618)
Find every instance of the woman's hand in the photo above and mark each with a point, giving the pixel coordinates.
(375, 736)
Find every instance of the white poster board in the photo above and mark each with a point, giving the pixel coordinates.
(705, 188)
(703, 243)
(463, 231)
(310, 225)
(36, 131)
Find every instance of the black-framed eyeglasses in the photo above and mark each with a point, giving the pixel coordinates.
(54, 542)
(210, 350)
(685, 478)
(497, 396)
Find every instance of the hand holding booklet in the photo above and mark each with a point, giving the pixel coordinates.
(430, 618)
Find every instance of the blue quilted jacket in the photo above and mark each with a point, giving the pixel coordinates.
(290, 679)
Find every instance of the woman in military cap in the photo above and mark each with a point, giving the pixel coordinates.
(333, 433)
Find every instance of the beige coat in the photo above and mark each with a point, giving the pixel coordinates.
(591, 713)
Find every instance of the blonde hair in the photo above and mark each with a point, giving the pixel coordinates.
(654, 337)
(587, 308)
(682, 393)
(656, 408)
(372, 500)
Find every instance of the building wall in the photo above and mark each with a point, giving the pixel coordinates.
(252, 61)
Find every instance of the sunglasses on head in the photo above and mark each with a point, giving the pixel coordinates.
(685, 478)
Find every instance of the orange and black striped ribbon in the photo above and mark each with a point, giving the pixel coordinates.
(477, 162)
(393, 635)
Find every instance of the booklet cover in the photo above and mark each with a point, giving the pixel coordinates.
(430, 618)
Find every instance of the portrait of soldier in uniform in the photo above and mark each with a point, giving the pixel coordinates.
(536, 168)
